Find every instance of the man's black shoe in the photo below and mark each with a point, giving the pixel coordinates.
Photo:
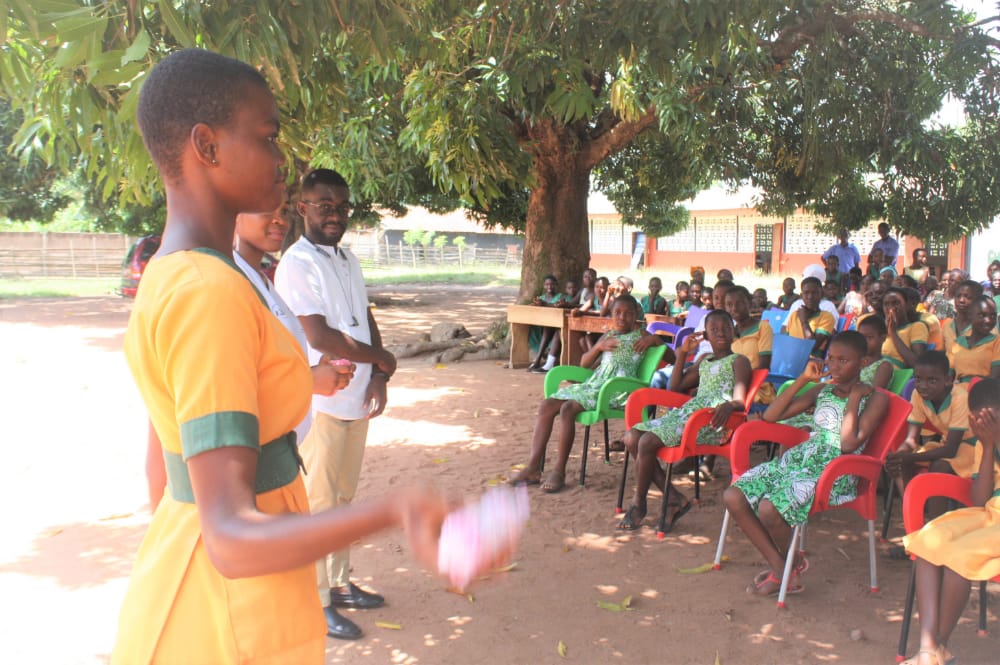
(339, 626)
(356, 598)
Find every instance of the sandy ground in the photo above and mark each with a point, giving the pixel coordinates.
(73, 432)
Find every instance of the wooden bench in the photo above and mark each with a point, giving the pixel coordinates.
(577, 327)
(521, 318)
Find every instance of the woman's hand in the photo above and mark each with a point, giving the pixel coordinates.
(890, 320)
(645, 342)
(329, 376)
(860, 391)
(608, 343)
(722, 413)
(813, 373)
(421, 513)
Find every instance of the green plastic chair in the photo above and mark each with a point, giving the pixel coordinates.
(615, 386)
(899, 378)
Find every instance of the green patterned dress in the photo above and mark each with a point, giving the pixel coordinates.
(623, 361)
(868, 373)
(716, 381)
(789, 481)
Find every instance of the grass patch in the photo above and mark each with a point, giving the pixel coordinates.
(391, 276)
(57, 287)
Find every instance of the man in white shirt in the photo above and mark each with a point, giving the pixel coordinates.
(323, 285)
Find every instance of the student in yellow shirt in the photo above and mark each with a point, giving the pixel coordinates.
(977, 353)
(942, 407)
(907, 333)
(809, 321)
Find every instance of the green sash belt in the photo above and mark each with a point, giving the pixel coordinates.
(277, 465)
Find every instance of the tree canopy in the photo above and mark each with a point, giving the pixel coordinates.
(514, 109)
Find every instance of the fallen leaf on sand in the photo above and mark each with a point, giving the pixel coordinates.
(440, 460)
(703, 568)
(116, 516)
(718, 661)
(53, 532)
(611, 607)
(439, 366)
(388, 626)
(510, 566)
(475, 414)
(517, 467)
(843, 554)
(562, 649)
(627, 603)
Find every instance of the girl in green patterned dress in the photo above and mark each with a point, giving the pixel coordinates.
(619, 353)
(772, 497)
(722, 378)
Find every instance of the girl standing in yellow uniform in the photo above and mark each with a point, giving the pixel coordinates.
(225, 573)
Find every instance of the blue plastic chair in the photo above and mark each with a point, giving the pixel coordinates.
(776, 317)
(789, 356)
(677, 333)
(694, 316)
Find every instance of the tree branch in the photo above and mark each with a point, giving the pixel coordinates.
(615, 139)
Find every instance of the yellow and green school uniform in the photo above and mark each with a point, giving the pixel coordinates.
(935, 335)
(950, 333)
(821, 323)
(912, 333)
(970, 360)
(755, 343)
(951, 416)
(215, 369)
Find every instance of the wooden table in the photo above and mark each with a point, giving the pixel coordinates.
(521, 318)
(577, 327)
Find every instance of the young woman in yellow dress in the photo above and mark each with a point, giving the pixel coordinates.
(225, 573)
(963, 545)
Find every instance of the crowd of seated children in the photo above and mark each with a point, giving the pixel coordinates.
(940, 408)
(771, 498)
(721, 378)
(617, 352)
(961, 545)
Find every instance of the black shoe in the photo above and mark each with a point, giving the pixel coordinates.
(356, 598)
(538, 370)
(340, 627)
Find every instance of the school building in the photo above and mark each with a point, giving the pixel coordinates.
(724, 234)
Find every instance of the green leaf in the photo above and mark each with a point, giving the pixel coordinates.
(74, 28)
(175, 25)
(138, 49)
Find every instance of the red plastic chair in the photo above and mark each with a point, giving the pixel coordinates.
(866, 466)
(918, 491)
(635, 413)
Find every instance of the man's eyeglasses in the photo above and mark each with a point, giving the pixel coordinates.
(328, 210)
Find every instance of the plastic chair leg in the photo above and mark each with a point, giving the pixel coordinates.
(621, 485)
(872, 561)
(983, 598)
(802, 539)
(697, 479)
(717, 564)
(890, 499)
(786, 577)
(607, 445)
(904, 629)
(662, 525)
(586, 449)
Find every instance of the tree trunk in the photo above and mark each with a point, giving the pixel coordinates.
(556, 238)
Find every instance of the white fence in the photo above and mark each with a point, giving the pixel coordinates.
(62, 254)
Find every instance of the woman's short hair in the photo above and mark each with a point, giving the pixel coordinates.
(189, 87)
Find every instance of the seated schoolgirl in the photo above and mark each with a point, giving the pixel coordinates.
(960, 546)
(617, 353)
(722, 378)
(907, 333)
(681, 303)
(977, 352)
(654, 303)
(551, 343)
(771, 498)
